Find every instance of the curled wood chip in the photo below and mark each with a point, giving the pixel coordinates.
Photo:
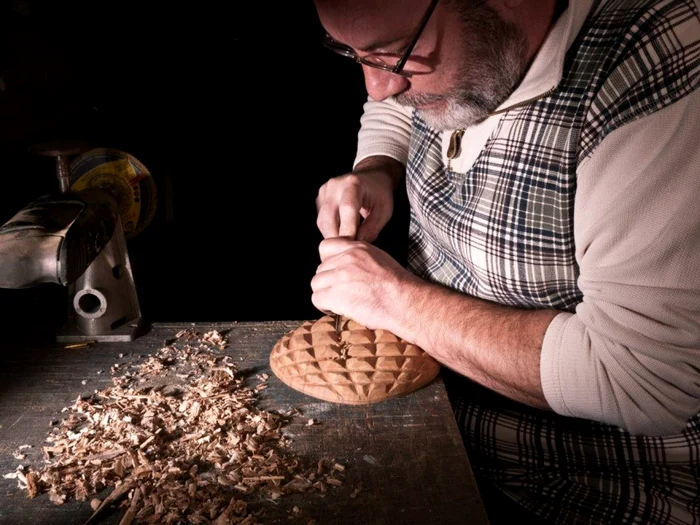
(178, 434)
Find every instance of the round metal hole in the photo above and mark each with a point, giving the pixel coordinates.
(90, 303)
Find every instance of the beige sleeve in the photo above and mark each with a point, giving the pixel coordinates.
(630, 355)
(385, 129)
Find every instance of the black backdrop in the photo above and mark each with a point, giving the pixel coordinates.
(239, 113)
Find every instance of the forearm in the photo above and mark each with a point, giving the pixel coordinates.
(494, 345)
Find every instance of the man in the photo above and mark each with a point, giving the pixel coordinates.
(550, 156)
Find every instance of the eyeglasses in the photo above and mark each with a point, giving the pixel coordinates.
(402, 65)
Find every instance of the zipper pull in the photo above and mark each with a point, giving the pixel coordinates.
(455, 147)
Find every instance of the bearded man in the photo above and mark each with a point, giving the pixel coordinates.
(551, 162)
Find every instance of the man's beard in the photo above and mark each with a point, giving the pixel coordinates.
(498, 60)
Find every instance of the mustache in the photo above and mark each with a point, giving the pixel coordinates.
(417, 99)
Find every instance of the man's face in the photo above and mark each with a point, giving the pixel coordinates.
(476, 58)
(489, 61)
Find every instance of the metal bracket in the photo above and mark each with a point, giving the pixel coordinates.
(104, 304)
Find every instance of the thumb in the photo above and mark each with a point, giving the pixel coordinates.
(372, 225)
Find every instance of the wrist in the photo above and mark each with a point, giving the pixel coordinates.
(411, 323)
(388, 167)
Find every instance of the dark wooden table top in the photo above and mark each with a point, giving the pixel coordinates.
(406, 452)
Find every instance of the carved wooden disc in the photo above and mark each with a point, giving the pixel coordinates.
(364, 366)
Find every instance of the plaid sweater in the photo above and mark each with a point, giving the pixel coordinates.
(504, 231)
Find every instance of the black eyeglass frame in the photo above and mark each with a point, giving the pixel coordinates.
(397, 69)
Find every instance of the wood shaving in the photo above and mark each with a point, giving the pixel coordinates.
(178, 439)
(343, 348)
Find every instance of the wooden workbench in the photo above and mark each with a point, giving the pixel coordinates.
(406, 452)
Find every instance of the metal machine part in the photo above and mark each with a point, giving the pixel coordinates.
(54, 238)
(61, 150)
(125, 178)
(75, 239)
(105, 306)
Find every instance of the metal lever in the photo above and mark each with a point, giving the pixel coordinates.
(62, 150)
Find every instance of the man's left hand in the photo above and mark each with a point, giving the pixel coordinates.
(359, 281)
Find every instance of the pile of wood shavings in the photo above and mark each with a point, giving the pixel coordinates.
(180, 440)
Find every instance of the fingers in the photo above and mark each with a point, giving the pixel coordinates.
(320, 298)
(321, 280)
(322, 283)
(349, 214)
(338, 204)
(327, 221)
(327, 217)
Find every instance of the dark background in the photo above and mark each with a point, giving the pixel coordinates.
(239, 113)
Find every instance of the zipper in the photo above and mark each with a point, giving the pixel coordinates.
(454, 149)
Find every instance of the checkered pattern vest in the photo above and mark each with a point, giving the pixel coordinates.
(503, 231)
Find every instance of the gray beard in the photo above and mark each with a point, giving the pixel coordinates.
(459, 112)
(498, 64)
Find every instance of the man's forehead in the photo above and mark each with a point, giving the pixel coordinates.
(367, 24)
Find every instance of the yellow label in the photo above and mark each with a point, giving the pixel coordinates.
(119, 178)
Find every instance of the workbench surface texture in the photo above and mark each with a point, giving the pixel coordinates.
(404, 459)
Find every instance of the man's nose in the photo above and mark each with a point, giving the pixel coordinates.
(381, 85)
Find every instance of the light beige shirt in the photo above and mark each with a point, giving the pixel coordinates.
(630, 354)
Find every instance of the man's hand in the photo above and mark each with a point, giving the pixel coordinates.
(362, 282)
(495, 345)
(359, 204)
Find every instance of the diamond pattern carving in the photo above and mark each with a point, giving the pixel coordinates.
(362, 366)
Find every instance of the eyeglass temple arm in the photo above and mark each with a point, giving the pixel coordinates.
(399, 65)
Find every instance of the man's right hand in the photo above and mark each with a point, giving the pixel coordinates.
(359, 204)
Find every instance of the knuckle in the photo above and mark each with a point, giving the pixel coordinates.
(360, 249)
(348, 205)
(352, 179)
(323, 222)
